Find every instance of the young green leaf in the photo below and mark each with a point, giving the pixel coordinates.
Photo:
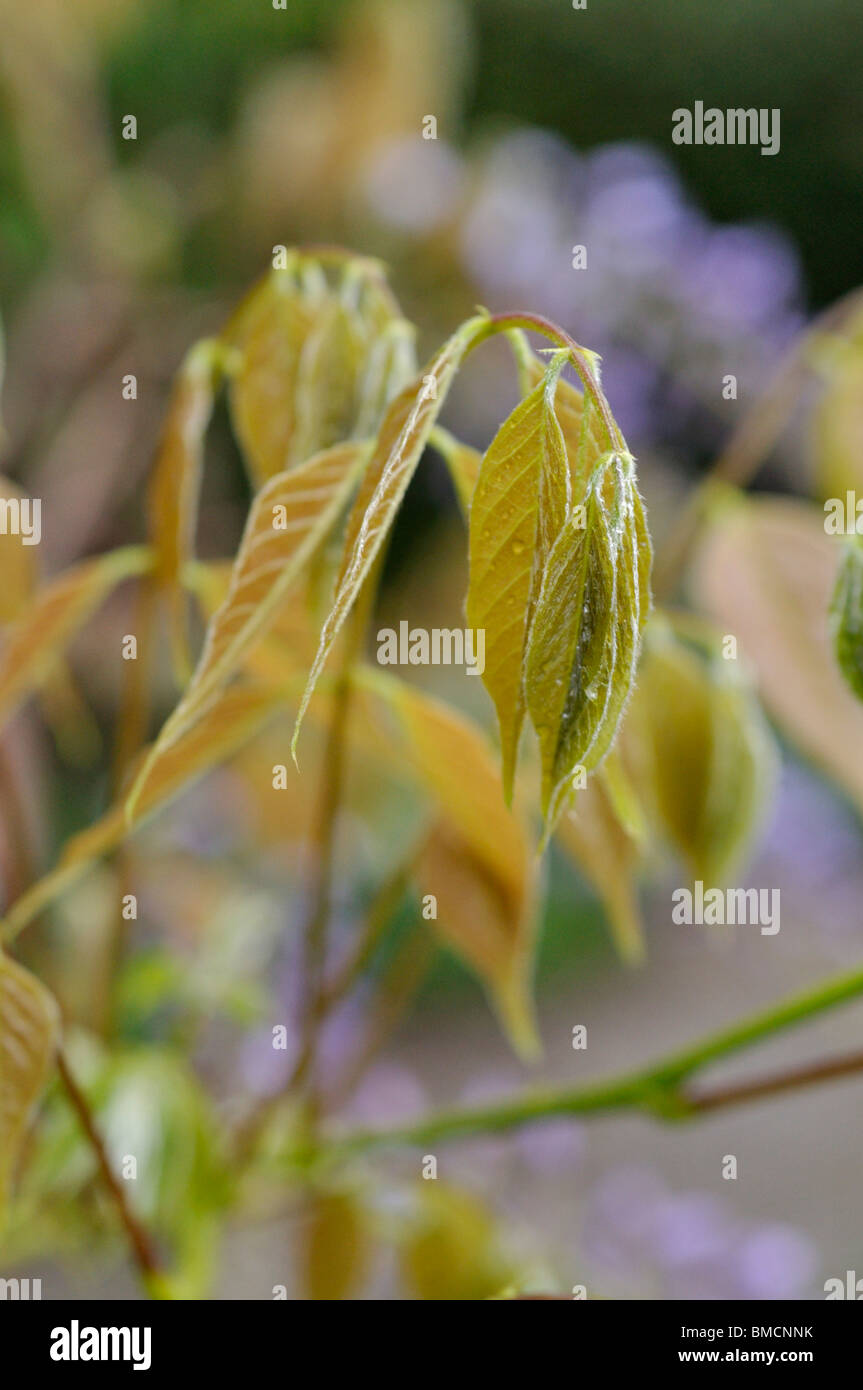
(846, 615)
(29, 1029)
(518, 510)
(289, 519)
(713, 756)
(172, 502)
(55, 615)
(584, 639)
(402, 438)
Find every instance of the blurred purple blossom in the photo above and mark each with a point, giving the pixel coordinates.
(671, 301)
(648, 1241)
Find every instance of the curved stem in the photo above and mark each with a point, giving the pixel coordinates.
(657, 1090)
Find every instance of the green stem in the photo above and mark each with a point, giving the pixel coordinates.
(657, 1089)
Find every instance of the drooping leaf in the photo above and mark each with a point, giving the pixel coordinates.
(335, 1246)
(288, 520)
(584, 639)
(18, 570)
(518, 510)
(237, 717)
(846, 615)
(55, 615)
(766, 571)
(606, 833)
(713, 756)
(484, 925)
(172, 502)
(29, 1029)
(403, 435)
(479, 845)
(316, 362)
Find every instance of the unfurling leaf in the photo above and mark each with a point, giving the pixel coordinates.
(584, 639)
(453, 1251)
(713, 755)
(316, 363)
(518, 509)
(400, 442)
(237, 717)
(289, 519)
(172, 502)
(54, 617)
(29, 1029)
(478, 861)
(846, 615)
(766, 571)
(335, 1246)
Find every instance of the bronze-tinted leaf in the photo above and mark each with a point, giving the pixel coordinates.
(172, 502)
(335, 1246)
(18, 569)
(29, 1029)
(289, 519)
(766, 571)
(54, 616)
(319, 352)
(478, 861)
(403, 435)
(236, 718)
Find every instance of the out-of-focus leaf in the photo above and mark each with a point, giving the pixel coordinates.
(54, 616)
(846, 615)
(403, 435)
(288, 520)
(584, 640)
(453, 1251)
(478, 863)
(316, 362)
(335, 1246)
(29, 1029)
(766, 571)
(713, 756)
(484, 925)
(463, 462)
(837, 422)
(518, 510)
(172, 502)
(238, 716)
(18, 569)
(608, 848)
